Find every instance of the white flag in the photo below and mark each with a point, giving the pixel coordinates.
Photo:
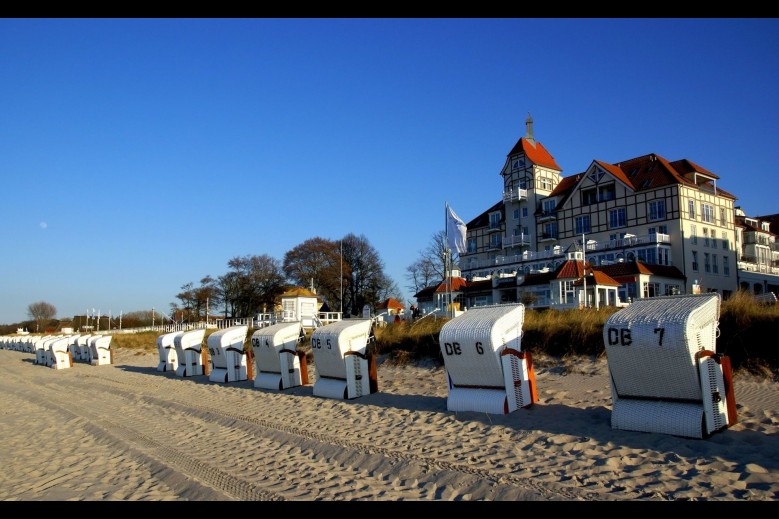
(455, 231)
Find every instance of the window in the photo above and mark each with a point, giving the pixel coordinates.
(663, 229)
(707, 213)
(550, 230)
(596, 175)
(495, 241)
(545, 184)
(672, 290)
(524, 212)
(648, 256)
(549, 205)
(567, 292)
(725, 244)
(714, 265)
(582, 224)
(494, 220)
(722, 220)
(617, 218)
(471, 245)
(525, 183)
(693, 235)
(606, 193)
(651, 289)
(589, 196)
(705, 237)
(695, 260)
(714, 238)
(657, 210)
(707, 262)
(663, 256)
(525, 230)
(516, 214)
(691, 209)
(726, 265)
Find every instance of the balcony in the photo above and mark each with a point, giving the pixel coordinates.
(630, 240)
(545, 216)
(515, 195)
(494, 226)
(547, 236)
(521, 240)
(751, 239)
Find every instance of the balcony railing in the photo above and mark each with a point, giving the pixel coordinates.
(516, 241)
(628, 241)
(750, 239)
(515, 195)
(545, 216)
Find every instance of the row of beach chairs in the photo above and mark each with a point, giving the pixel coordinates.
(61, 351)
(665, 374)
(345, 370)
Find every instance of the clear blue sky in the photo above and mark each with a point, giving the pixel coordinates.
(138, 155)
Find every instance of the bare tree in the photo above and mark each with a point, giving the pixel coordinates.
(318, 261)
(323, 262)
(41, 311)
(430, 267)
(195, 301)
(367, 283)
(252, 283)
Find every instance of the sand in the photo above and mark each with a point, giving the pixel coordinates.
(127, 432)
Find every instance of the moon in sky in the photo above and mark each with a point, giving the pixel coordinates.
(43, 225)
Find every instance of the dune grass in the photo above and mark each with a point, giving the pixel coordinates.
(745, 336)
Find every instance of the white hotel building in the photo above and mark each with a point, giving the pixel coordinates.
(650, 226)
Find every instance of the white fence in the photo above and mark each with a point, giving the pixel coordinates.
(267, 319)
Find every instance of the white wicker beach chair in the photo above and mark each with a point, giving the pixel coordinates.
(191, 355)
(60, 354)
(42, 354)
(100, 350)
(169, 359)
(485, 365)
(75, 351)
(344, 368)
(229, 360)
(279, 364)
(27, 344)
(666, 376)
(83, 348)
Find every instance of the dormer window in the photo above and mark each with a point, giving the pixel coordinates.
(517, 163)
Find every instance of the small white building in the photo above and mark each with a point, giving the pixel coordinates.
(300, 304)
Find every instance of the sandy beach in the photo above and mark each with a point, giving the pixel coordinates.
(129, 432)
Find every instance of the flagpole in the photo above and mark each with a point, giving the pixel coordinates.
(447, 255)
(584, 270)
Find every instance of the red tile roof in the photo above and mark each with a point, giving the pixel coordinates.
(643, 173)
(389, 304)
(457, 284)
(535, 152)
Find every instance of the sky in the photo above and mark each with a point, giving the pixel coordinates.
(139, 155)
